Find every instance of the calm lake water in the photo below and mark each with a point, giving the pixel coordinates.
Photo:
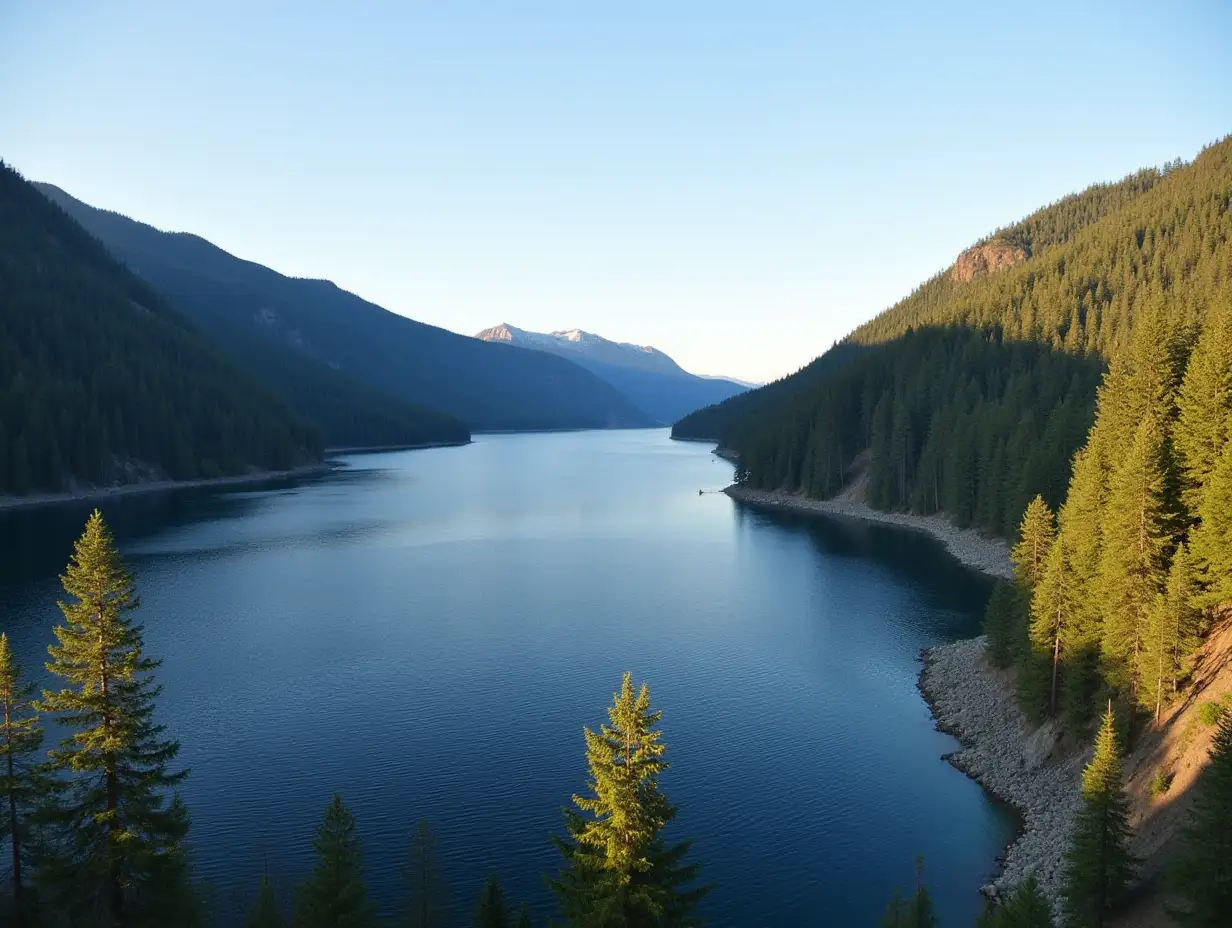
(427, 632)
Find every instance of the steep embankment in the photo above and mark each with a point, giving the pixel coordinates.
(102, 382)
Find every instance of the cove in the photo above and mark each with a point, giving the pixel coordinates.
(427, 632)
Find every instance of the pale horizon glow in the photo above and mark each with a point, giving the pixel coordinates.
(737, 190)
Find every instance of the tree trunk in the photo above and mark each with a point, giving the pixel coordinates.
(18, 904)
(1056, 659)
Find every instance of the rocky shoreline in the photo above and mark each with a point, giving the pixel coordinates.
(975, 703)
(987, 555)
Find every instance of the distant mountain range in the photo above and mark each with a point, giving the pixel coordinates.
(365, 375)
(650, 378)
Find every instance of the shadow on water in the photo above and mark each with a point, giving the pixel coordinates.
(39, 540)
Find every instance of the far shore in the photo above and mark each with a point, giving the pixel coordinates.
(88, 494)
(377, 449)
(990, 556)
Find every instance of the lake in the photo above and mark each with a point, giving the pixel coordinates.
(427, 633)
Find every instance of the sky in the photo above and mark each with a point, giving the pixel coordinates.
(737, 184)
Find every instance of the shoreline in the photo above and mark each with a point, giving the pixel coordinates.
(1031, 771)
(35, 500)
(989, 556)
(378, 449)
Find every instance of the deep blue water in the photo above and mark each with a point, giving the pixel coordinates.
(427, 632)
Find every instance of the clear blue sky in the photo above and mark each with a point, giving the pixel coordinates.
(737, 184)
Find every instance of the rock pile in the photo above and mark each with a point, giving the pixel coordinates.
(1025, 768)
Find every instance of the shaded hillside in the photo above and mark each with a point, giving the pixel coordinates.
(295, 331)
(1156, 243)
(651, 379)
(101, 381)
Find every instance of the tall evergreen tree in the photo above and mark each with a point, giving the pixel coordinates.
(1132, 553)
(1098, 863)
(121, 854)
(523, 918)
(265, 913)
(1212, 539)
(1172, 635)
(1054, 610)
(428, 906)
(21, 738)
(492, 911)
(1205, 405)
(1202, 868)
(333, 896)
(618, 871)
(1035, 537)
(1005, 623)
(1026, 907)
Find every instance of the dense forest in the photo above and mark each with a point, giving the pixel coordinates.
(973, 395)
(98, 375)
(95, 834)
(362, 371)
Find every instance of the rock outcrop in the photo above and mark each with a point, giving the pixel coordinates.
(987, 258)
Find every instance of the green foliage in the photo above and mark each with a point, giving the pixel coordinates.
(1054, 614)
(1005, 623)
(1098, 863)
(428, 905)
(1026, 907)
(1036, 534)
(1172, 635)
(617, 869)
(1161, 782)
(265, 913)
(119, 837)
(916, 912)
(492, 911)
(1211, 712)
(523, 918)
(97, 372)
(1202, 868)
(22, 784)
(1212, 539)
(333, 896)
(1205, 406)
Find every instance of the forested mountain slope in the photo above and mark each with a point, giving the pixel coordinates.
(651, 379)
(100, 380)
(333, 353)
(975, 391)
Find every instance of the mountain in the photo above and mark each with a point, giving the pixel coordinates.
(102, 381)
(338, 356)
(974, 392)
(647, 376)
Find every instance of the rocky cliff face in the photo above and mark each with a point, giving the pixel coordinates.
(985, 259)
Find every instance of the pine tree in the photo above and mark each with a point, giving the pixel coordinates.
(21, 738)
(618, 870)
(428, 903)
(523, 918)
(333, 896)
(1202, 868)
(1036, 534)
(1205, 405)
(1004, 623)
(1133, 543)
(491, 910)
(1026, 907)
(265, 913)
(122, 848)
(1098, 863)
(1212, 539)
(1054, 609)
(1172, 635)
